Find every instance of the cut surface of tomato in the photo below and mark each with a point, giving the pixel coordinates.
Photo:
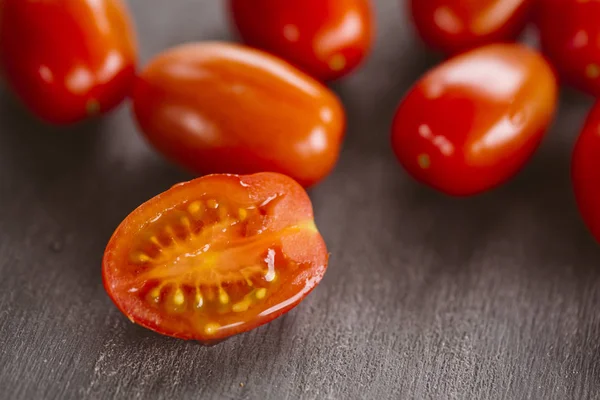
(216, 256)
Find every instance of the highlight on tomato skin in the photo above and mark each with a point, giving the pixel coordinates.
(471, 123)
(215, 256)
(67, 60)
(327, 39)
(456, 26)
(217, 107)
(585, 172)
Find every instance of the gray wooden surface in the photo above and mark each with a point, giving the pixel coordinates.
(495, 297)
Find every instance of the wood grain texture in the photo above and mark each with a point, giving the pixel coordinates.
(495, 297)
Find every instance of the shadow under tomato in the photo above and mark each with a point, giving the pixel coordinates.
(576, 99)
(38, 147)
(195, 21)
(253, 354)
(372, 93)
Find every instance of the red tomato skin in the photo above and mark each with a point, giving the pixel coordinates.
(217, 107)
(296, 207)
(327, 39)
(471, 123)
(569, 33)
(67, 59)
(455, 26)
(585, 172)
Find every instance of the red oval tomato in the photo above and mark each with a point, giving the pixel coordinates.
(585, 172)
(67, 59)
(216, 256)
(454, 26)
(226, 108)
(570, 38)
(472, 122)
(325, 38)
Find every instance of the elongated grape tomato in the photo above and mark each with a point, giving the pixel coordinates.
(472, 122)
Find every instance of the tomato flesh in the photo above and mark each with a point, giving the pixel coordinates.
(216, 256)
(585, 172)
(472, 122)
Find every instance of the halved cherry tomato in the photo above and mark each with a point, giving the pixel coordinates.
(216, 256)
(226, 108)
(325, 38)
(585, 172)
(454, 26)
(67, 59)
(570, 38)
(472, 122)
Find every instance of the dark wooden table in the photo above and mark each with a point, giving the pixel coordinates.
(426, 297)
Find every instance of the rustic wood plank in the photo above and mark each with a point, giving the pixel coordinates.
(488, 298)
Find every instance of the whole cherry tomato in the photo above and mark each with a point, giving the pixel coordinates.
(472, 122)
(67, 59)
(325, 38)
(454, 26)
(570, 38)
(216, 256)
(585, 172)
(226, 108)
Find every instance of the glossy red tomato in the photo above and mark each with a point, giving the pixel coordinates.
(67, 59)
(216, 256)
(325, 38)
(226, 108)
(570, 37)
(585, 172)
(472, 122)
(453, 26)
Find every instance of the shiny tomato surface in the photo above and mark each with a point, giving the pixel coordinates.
(226, 108)
(325, 38)
(585, 172)
(454, 26)
(570, 37)
(216, 256)
(67, 59)
(472, 122)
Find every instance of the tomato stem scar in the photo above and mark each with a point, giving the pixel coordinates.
(337, 62)
(424, 161)
(92, 107)
(593, 71)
